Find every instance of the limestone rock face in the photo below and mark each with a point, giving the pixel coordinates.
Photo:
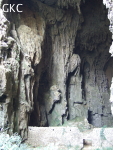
(55, 64)
(109, 5)
(9, 69)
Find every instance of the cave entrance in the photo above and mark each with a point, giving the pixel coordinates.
(93, 42)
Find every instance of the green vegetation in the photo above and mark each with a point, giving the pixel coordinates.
(13, 142)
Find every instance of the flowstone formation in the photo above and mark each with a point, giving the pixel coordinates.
(55, 64)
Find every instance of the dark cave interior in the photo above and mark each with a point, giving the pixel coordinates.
(92, 43)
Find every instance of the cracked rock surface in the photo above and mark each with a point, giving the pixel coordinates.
(55, 64)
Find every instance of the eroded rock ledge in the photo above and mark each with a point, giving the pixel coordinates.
(55, 64)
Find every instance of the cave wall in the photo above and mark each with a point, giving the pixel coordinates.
(109, 6)
(92, 44)
(55, 64)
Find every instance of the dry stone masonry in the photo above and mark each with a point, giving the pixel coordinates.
(55, 65)
(65, 138)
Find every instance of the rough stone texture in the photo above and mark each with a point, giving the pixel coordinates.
(92, 44)
(84, 88)
(55, 64)
(109, 6)
(17, 74)
(57, 60)
(9, 68)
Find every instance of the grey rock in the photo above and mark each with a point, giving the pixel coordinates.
(55, 64)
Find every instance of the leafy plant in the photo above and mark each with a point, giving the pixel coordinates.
(13, 142)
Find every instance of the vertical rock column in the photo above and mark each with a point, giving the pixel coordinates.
(20, 53)
(58, 61)
(30, 32)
